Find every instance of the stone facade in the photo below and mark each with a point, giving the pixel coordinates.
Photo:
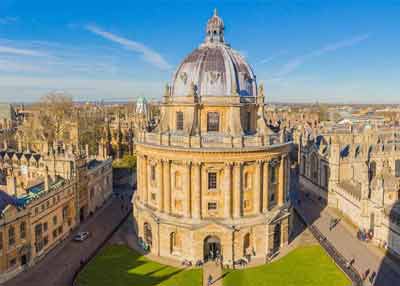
(43, 197)
(358, 173)
(212, 177)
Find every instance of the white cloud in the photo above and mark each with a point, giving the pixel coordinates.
(148, 54)
(20, 52)
(30, 88)
(296, 62)
(13, 66)
(273, 57)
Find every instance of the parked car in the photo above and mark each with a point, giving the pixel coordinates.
(81, 236)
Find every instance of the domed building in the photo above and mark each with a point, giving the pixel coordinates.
(213, 178)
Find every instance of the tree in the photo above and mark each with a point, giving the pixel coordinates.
(55, 112)
(128, 161)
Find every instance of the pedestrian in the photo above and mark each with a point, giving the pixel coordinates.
(365, 275)
(209, 280)
(372, 277)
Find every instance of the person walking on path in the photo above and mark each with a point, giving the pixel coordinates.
(209, 280)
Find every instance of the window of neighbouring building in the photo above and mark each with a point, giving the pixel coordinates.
(22, 230)
(397, 168)
(11, 236)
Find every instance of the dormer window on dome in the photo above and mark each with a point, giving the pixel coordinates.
(215, 29)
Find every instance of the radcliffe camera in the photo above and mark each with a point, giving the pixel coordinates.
(199, 143)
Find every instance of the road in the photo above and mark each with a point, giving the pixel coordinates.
(58, 266)
(347, 243)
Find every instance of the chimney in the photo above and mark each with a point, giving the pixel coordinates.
(11, 184)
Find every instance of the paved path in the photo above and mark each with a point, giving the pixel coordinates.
(348, 245)
(213, 269)
(58, 266)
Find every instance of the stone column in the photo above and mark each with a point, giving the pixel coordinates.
(146, 180)
(228, 190)
(265, 196)
(257, 187)
(139, 178)
(160, 195)
(196, 194)
(237, 190)
(167, 186)
(187, 190)
(281, 184)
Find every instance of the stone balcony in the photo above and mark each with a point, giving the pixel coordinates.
(210, 140)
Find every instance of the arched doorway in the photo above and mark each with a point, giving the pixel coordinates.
(148, 236)
(277, 237)
(212, 247)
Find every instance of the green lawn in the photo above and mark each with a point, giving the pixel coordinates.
(305, 266)
(121, 266)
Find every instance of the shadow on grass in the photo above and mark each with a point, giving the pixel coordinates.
(120, 265)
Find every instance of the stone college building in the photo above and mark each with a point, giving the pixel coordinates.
(213, 178)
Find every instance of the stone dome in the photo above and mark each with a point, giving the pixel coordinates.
(214, 69)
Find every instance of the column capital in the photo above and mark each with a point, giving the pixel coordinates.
(260, 161)
(274, 162)
(229, 164)
(187, 163)
(197, 164)
(165, 160)
(238, 164)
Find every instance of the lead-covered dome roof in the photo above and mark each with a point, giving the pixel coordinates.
(215, 69)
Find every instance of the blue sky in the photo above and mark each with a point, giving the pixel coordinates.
(303, 51)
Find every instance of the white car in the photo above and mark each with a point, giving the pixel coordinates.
(81, 236)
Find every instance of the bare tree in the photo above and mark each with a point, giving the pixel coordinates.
(55, 111)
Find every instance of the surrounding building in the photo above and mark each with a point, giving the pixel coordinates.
(7, 116)
(213, 178)
(43, 197)
(358, 173)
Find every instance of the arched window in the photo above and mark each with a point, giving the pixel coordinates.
(174, 242)
(153, 173)
(314, 168)
(397, 168)
(326, 176)
(277, 237)
(148, 236)
(248, 180)
(246, 245)
(303, 165)
(372, 170)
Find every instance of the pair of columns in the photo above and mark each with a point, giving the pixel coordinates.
(232, 186)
